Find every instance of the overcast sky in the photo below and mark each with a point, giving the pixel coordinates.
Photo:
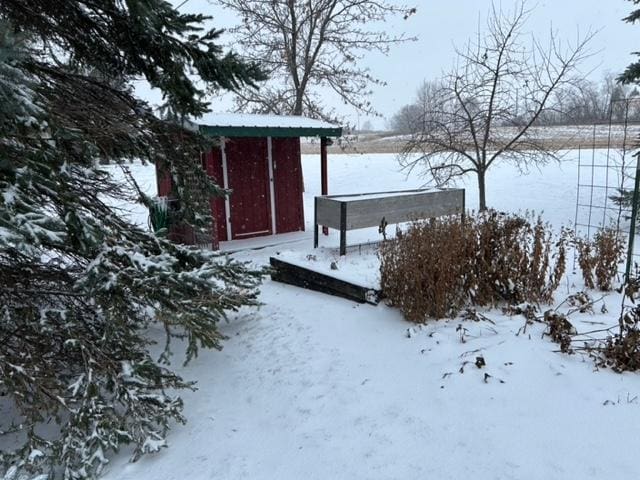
(439, 25)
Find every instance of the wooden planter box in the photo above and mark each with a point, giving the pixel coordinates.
(350, 212)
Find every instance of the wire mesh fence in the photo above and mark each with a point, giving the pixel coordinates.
(608, 183)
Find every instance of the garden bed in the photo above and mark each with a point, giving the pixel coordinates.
(361, 267)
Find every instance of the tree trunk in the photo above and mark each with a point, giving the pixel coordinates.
(482, 191)
(297, 108)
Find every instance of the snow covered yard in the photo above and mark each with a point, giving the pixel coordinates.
(317, 387)
(312, 386)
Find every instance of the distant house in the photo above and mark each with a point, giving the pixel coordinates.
(258, 158)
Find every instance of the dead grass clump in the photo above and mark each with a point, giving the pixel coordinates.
(442, 265)
(599, 258)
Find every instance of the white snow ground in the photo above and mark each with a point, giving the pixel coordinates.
(315, 387)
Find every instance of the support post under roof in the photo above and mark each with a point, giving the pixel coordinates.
(324, 180)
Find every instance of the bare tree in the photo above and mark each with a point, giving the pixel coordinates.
(410, 118)
(582, 102)
(310, 47)
(366, 127)
(406, 120)
(590, 102)
(501, 78)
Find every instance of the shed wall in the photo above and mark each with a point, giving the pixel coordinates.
(249, 178)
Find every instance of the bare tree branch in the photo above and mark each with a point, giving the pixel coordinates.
(308, 47)
(504, 84)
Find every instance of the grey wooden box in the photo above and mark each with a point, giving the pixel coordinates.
(350, 212)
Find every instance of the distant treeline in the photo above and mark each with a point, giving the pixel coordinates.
(584, 102)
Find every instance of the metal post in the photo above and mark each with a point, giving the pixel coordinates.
(606, 181)
(343, 228)
(593, 171)
(315, 222)
(575, 223)
(634, 214)
(464, 204)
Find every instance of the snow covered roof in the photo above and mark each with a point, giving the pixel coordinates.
(255, 125)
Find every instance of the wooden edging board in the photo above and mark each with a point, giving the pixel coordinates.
(291, 274)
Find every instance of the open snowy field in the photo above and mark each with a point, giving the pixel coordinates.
(600, 135)
(315, 387)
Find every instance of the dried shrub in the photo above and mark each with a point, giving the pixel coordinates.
(423, 270)
(442, 265)
(580, 302)
(586, 261)
(621, 352)
(599, 258)
(609, 251)
(513, 260)
(560, 330)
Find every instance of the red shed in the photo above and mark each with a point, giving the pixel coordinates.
(259, 160)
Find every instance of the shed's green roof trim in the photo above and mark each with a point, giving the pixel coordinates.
(247, 131)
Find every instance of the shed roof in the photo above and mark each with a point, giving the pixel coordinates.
(255, 125)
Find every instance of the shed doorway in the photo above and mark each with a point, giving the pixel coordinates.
(265, 177)
(248, 176)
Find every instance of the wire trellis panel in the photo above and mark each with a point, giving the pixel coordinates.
(608, 183)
